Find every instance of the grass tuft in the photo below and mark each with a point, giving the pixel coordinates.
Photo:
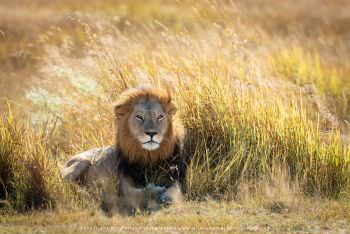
(29, 172)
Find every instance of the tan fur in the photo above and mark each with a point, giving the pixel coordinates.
(128, 144)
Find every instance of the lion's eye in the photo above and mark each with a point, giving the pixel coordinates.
(139, 118)
(160, 117)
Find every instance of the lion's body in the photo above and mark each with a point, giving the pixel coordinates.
(100, 163)
(91, 165)
(138, 158)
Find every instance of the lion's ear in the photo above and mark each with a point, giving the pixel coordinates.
(118, 110)
(171, 110)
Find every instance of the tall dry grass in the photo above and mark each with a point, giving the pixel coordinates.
(305, 68)
(30, 171)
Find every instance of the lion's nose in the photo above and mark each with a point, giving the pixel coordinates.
(151, 134)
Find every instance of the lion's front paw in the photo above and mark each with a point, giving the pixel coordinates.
(154, 189)
(165, 199)
(158, 193)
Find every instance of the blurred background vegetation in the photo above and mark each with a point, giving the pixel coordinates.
(263, 89)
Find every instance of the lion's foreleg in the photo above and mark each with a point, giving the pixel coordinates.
(134, 196)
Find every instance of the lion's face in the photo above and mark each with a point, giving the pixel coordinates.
(148, 122)
(146, 128)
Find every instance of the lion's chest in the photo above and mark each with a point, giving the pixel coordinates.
(164, 173)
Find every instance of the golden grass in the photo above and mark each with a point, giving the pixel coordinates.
(29, 172)
(305, 68)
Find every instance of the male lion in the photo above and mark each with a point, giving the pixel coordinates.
(148, 150)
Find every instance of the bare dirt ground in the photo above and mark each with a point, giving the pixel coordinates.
(314, 216)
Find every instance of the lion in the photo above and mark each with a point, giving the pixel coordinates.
(148, 157)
